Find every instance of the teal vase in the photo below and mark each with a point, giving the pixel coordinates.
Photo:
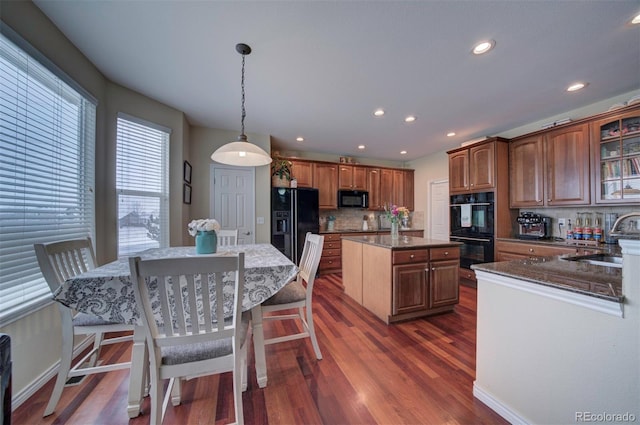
(206, 242)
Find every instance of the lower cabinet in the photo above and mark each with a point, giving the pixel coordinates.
(518, 250)
(425, 281)
(331, 259)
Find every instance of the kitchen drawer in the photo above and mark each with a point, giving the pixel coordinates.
(331, 244)
(410, 256)
(331, 252)
(335, 237)
(329, 264)
(444, 253)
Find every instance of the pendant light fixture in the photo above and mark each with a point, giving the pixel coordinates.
(241, 153)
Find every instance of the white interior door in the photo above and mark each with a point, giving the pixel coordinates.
(233, 200)
(439, 210)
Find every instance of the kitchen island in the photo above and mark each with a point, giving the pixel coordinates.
(400, 279)
(558, 341)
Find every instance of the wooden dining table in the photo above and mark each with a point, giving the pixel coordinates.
(107, 292)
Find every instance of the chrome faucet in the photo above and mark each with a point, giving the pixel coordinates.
(615, 232)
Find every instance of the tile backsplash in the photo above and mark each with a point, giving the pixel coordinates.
(352, 218)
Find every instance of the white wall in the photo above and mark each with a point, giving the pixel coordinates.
(203, 142)
(427, 169)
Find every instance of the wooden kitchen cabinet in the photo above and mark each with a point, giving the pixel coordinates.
(352, 177)
(550, 168)
(409, 188)
(616, 158)
(331, 259)
(386, 186)
(302, 171)
(567, 156)
(526, 172)
(325, 176)
(444, 277)
(373, 187)
(517, 250)
(409, 288)
(396, 188)
(476, 168)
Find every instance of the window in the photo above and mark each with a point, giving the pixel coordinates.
(47, 137)
(142, 182)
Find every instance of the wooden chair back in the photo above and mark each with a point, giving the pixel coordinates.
(62, 260)
(227, 237)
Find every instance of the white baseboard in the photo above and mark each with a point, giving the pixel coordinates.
(497, 406)
(41, 380)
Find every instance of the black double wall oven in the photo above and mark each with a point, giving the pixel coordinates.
(472, 224)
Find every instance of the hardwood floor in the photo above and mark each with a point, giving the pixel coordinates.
(416, 372)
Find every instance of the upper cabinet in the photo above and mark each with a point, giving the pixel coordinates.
(302, 171)
(475, 168)
(616, 159)
(325, 176)
(550, 169)
(373, 187)
(567, 156)
(352, 177)
(526, 172)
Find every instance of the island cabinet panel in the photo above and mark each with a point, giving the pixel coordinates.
(409, 288)
(376, 280)
(352, 270)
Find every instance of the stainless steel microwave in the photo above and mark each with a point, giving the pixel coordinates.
(353, 199)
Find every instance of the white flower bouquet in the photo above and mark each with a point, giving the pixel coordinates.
(203, 225)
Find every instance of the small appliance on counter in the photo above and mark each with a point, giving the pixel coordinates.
(533, 226)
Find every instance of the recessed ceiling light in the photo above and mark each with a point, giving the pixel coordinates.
(300, 139)
(360, 146)
(483, 47)
(403, 152)
(410, 118)
(636, 20)
(451, 134)
(576, 86)
(378, 112)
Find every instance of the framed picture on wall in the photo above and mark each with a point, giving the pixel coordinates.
(186, 193)
(187, 172)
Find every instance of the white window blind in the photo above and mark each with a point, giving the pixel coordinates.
(142, 182)
(47, 137)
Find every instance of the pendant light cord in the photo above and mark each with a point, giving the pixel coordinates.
(244, 112)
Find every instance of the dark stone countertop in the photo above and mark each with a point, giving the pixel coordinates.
(588, 279)
(403, 242)
(411, 229)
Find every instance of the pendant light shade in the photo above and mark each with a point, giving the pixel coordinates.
(241, 153)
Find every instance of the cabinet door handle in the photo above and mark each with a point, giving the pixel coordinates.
(433, 269)
(549, 200)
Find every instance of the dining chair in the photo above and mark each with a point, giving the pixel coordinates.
(60, 261)
(298, 294)
(227, 237)
(197, 335)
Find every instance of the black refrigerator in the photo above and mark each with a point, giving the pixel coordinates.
(294, 212)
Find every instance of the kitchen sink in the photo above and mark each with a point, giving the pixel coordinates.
(598, 259)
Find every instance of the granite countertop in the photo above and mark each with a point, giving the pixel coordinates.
(403, 242)
(588, 279)
(409, 229)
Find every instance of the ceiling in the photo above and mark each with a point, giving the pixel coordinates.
(320, 68)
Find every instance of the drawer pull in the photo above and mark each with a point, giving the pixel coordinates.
(411, 256)
(530, 249)
(446, 253)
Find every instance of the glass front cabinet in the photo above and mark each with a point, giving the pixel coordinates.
(617, 160)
